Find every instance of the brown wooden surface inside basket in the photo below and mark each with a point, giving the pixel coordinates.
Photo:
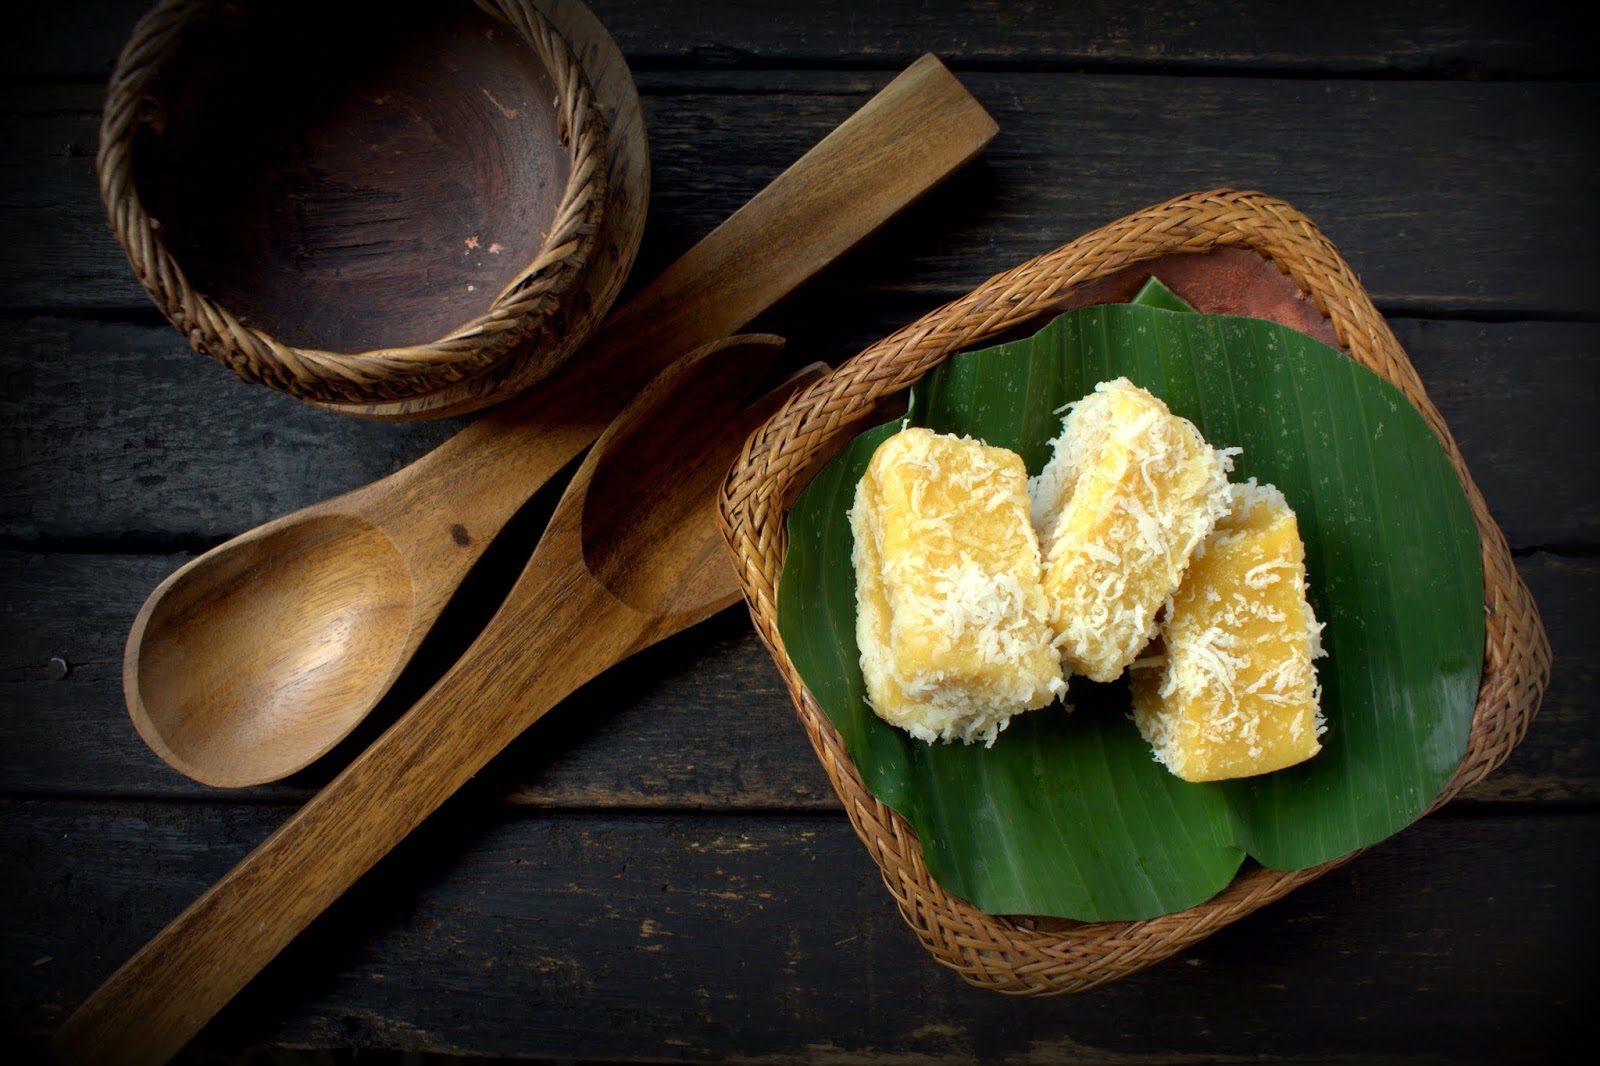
(1021, 954)
(357, 202)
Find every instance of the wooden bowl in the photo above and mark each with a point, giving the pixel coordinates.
(354, 202)
(1225, 252)
(627, 200)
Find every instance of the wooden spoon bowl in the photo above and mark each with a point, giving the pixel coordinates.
(336, 581)
(628, 490)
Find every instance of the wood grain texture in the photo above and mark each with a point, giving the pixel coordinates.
(651, 736)
(1476, 39)
(630, 739)
(661, 873)
(1382, 175)
(1077, 151)
(677, 938)
(190, 456)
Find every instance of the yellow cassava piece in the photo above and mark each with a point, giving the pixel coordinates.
(1238, 695)
(951, 619)
(1130, 492)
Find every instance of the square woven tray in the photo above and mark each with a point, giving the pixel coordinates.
(1018, 954)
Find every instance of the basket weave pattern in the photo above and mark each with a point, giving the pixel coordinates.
(514, 317)
(1043, 956)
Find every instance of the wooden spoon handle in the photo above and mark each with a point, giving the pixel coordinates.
(519, 668)
(915, 132)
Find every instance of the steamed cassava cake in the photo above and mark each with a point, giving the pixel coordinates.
(1129, 493)
(1233, 692)
(951, 619)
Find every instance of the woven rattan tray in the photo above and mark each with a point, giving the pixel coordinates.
(1018, 954)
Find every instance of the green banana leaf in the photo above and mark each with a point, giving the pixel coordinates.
(1068, 814)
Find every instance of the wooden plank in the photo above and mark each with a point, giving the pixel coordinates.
(76, 41)
(1073, 152)
(697, 937)
(59, 250)
(1519, 399)
(1479, 39)
(701, 722)
(122, 437)
(114, 416)
(1475, 39)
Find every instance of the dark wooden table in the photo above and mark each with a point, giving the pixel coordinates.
(659, 871)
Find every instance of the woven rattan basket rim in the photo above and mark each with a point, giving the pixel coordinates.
(1018, 954)
(515, 316)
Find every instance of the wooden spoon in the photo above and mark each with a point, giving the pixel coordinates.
(252, 660)
(631, 555)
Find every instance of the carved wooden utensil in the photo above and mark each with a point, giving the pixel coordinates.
(259, 656)
(631, 555)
